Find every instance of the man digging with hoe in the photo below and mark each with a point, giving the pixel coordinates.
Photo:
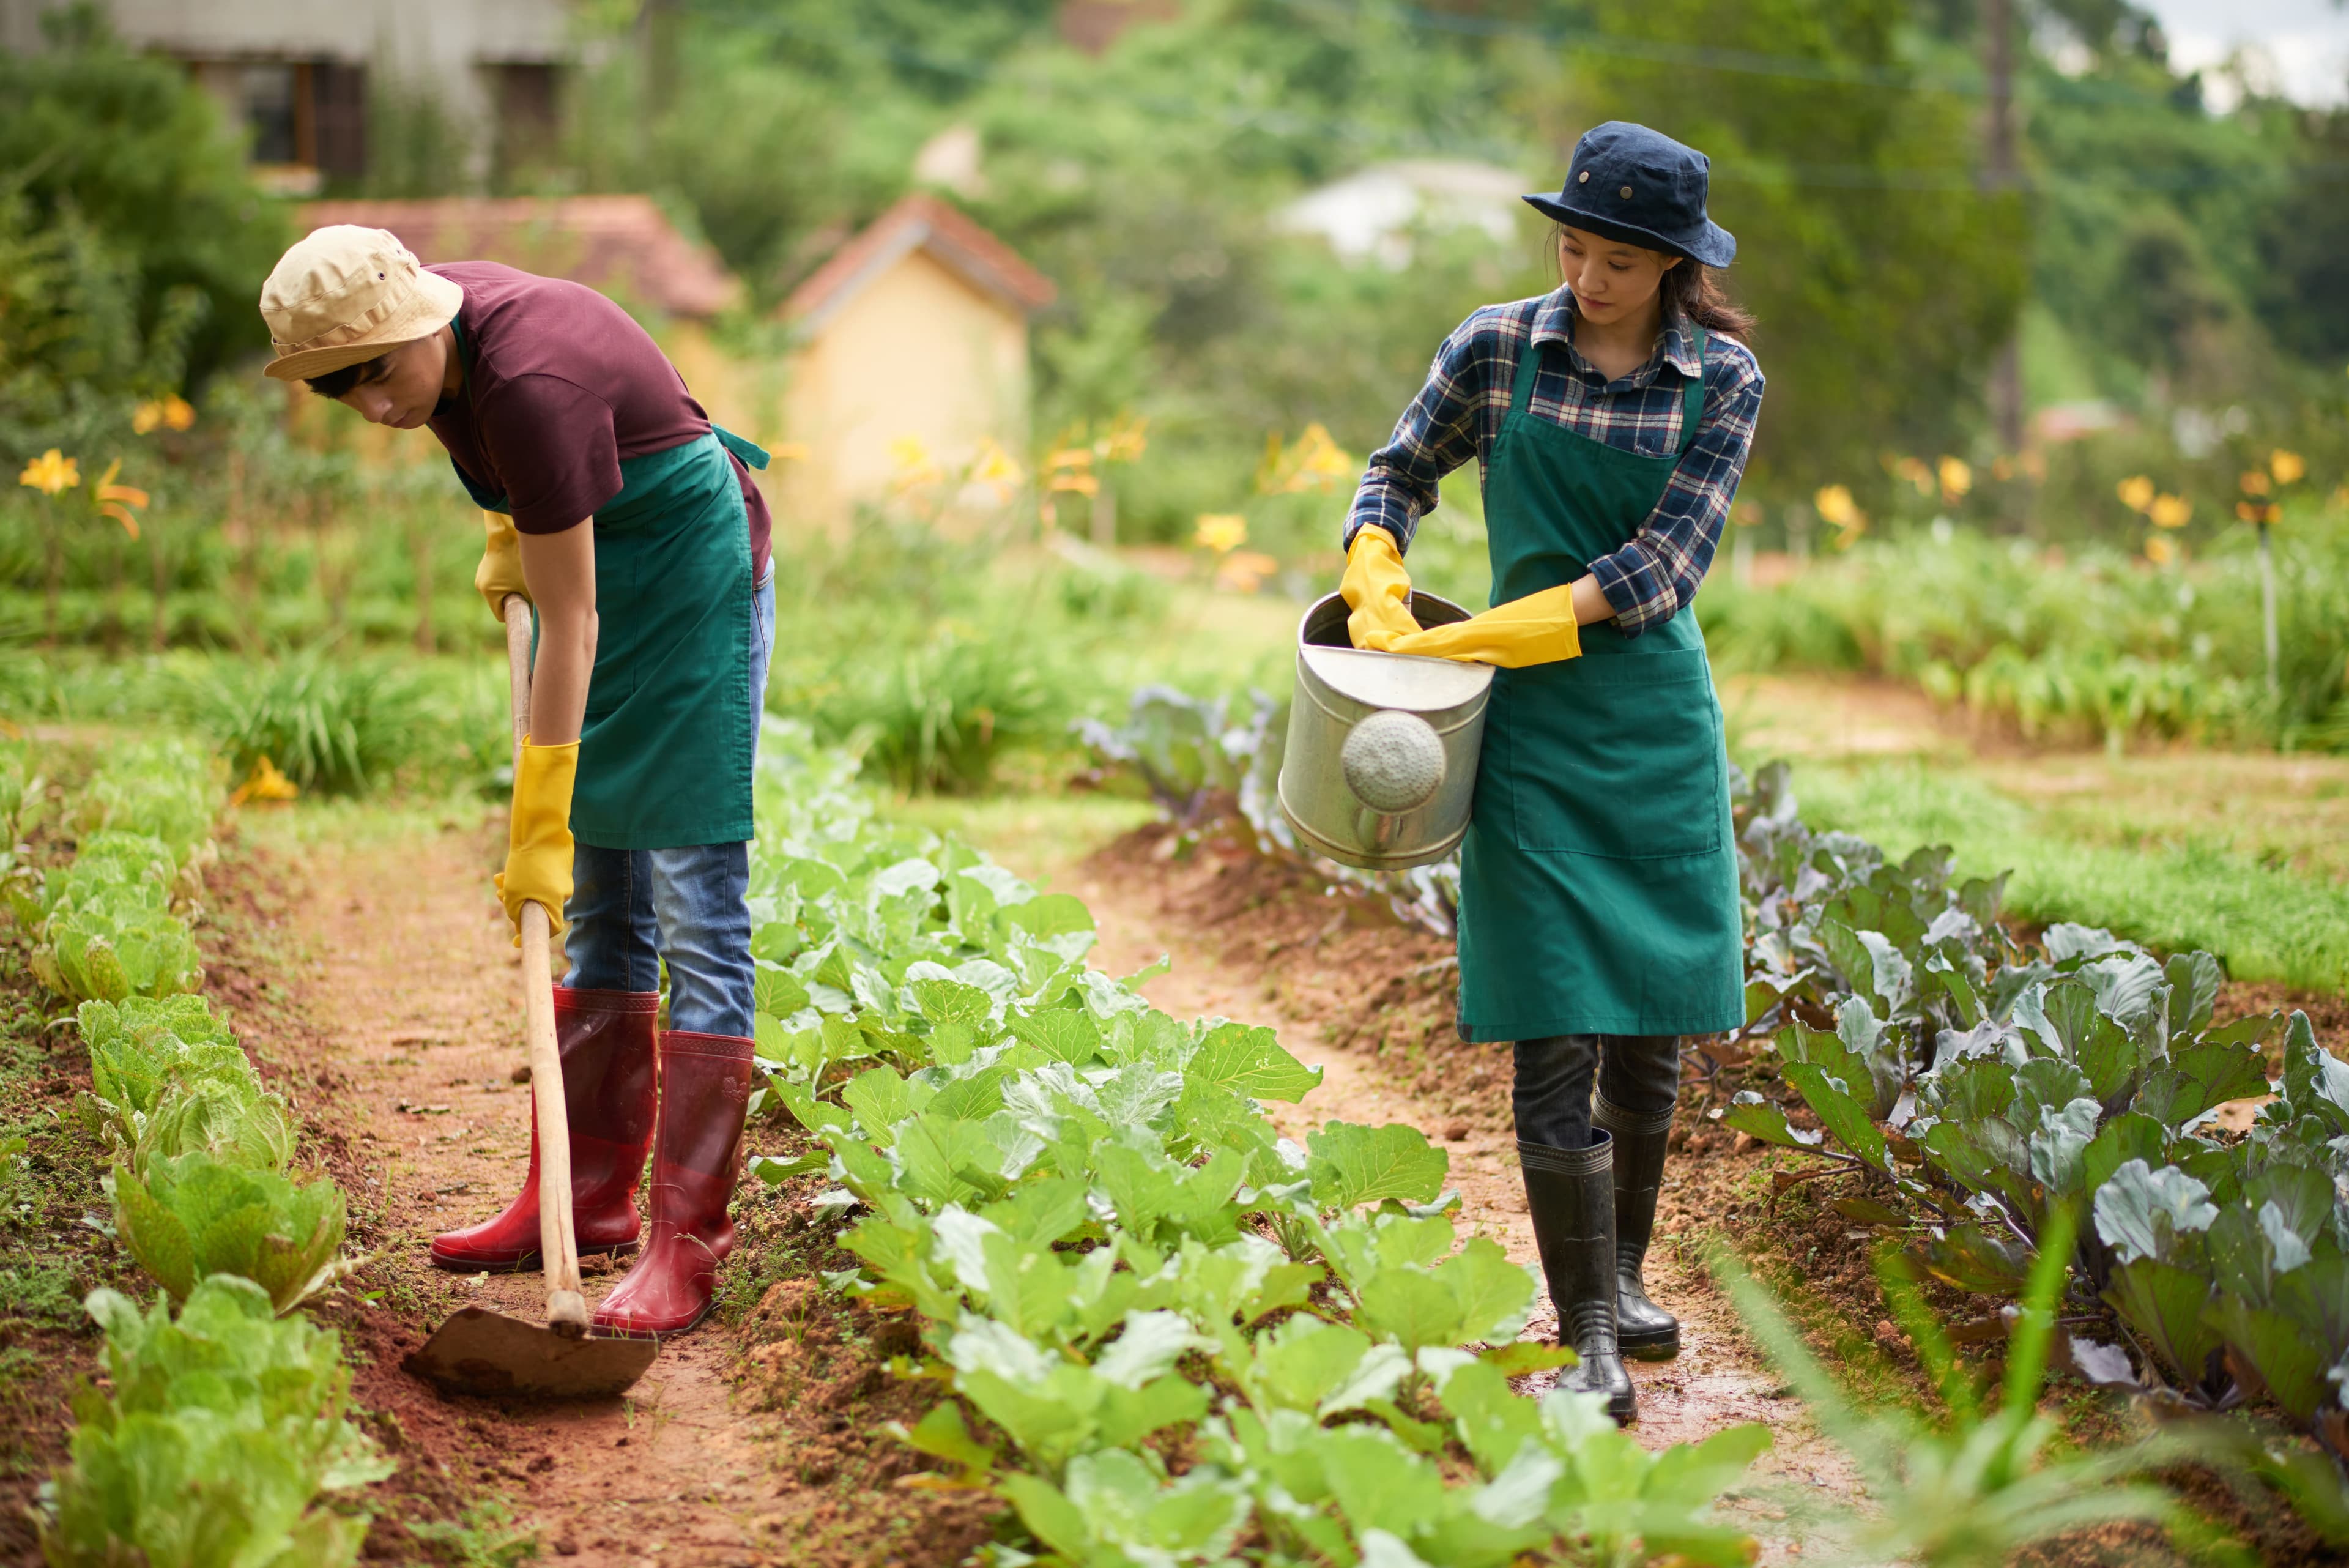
(631, 525)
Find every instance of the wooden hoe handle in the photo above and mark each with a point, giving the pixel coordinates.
(558, 1243)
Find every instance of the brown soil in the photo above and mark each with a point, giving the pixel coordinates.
(49, 1257)
(1369, 998)
(1366, 999)
(375, 986)
(391, 1008)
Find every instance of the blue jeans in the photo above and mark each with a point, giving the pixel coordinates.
(632, 909)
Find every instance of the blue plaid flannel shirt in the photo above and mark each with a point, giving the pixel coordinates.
(1459, 412)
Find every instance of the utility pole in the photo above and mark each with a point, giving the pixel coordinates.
(2001, 173)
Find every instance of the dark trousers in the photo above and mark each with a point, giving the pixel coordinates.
(1551, 1095)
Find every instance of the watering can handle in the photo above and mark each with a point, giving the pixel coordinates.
(558, 1243)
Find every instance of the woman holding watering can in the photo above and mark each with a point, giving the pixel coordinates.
(1599, 906)
(632, 526)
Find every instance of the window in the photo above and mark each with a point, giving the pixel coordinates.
(265, 90)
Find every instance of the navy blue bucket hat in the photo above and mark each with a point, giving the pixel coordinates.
(1641, 187)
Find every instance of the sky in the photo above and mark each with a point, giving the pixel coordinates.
(2305, 42)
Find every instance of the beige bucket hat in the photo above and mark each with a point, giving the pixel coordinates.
(346, 293)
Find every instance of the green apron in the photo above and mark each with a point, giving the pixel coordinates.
(1599, 879)
(671, 725)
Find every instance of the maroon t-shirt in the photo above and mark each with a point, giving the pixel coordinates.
(560, 385)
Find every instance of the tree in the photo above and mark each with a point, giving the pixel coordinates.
(130, 148)
(1884, 281)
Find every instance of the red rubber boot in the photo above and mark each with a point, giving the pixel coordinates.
(696, 1152)
(606, 1039)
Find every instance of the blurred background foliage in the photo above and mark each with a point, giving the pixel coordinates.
(2174, 278)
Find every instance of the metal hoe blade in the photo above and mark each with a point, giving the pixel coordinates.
(482, 1352)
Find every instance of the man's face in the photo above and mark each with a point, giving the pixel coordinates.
(402, 389)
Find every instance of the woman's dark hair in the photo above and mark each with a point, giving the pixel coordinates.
(1692, 289)
(335, 383)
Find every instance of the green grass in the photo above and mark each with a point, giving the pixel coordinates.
(2178, 888)
(1041, 836)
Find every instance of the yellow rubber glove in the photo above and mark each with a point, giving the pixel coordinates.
(500, 573)
(1539, 628)
(1377, 590)
(538, 834)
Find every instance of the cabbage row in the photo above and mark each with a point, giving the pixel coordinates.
(1190, 1339)
(1973, 1089)
(225, 1424)
(1977, 1089)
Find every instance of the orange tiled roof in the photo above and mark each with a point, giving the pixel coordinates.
(924, 223)
(622, 244)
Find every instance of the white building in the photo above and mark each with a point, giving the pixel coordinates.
(1372, 214)
(306, 77)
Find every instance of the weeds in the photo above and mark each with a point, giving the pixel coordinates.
(1977, 1486)
(487, 1537)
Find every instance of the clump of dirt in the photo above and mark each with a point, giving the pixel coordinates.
(2328, 1014)
(834, 1375)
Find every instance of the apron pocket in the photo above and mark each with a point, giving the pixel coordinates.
(1619, 756)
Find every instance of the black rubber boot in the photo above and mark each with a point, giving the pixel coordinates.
(1643, 1329)
(1570, 1194)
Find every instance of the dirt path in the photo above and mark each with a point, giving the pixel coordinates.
(416, 989)
(415, 1027)
(1718, 1380)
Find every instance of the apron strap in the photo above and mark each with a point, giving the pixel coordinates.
(751, 452)
(1528, 365)
(1693, 394)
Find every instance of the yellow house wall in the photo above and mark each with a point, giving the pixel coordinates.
(742, 395)
(917, 353)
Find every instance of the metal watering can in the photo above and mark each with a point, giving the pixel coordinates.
(1381, 765)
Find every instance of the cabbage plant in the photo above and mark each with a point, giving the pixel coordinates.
(187, 1216)
(225, 1426)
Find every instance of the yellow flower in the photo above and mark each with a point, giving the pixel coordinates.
(2169, 511)
(1835, 504)
(1075, 483)
(916, 467)
(1315, 462)
(1956, 478)
(1222, 532)
(2259, 511)
(1244, 571)
(2136, 492)
(115, 500)
(173, 411)
(1068, 457)
(2255, 482)
(1124, 441)
(50, 473)
(993, 465)
(264, 783)
(2288, 467)
(2160, 551)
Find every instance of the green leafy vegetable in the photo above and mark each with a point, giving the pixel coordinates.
(188, 1216)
